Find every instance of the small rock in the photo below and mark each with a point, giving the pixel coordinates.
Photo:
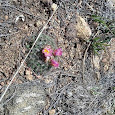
(106, 67)
(20, 81)
(29, 75)
(2, 83)
(52, 112)
(104, 60)
(111, 3)
(28, 72)
(65, 68)
(26, 99)
(6, 17)
(38, 23)
(30, 25)
(54, 6)
(26, 27)
(82, 28)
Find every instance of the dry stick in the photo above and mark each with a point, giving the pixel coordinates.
(27, 56)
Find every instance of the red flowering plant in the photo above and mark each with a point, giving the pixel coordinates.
(50, 54)
(54, 63)
(58, 52)
(47, 51)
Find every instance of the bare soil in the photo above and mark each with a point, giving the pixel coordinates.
(70, 91)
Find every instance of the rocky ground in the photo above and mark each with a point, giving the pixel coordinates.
(83, 84)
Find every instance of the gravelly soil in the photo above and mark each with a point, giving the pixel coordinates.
(68, 93)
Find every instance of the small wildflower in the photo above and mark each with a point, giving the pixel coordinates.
(58, 52)
(54, 63)
(47, 51)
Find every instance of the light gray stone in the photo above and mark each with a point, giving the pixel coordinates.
(111, 3)
(25, 99)
(82, 28)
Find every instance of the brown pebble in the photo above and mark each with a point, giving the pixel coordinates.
(54, 6)
(83, 30)
(29, 77)
(8, 82)
(19, 81)
(2, 83)
(6, 17)
(65, 68)
(52, 112)
(104, 60)
(38, 23)
(106, 67)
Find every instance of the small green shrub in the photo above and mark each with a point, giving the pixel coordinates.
(108, 28)
(36, 60)
(98, 45)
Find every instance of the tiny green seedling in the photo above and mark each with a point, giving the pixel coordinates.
(98, 45)
(107, 26)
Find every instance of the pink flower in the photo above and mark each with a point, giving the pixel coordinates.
(47, 51)
(54, 63)
(58, 52)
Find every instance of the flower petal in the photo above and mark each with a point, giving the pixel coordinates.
(54, 63)
(47, 52)
(58, 52)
